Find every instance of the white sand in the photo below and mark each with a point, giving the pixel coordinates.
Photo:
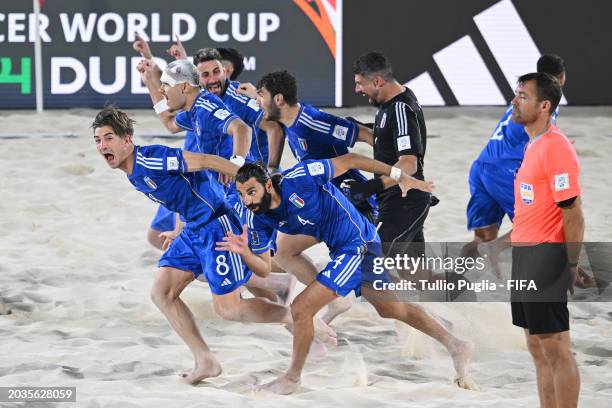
(75, 272)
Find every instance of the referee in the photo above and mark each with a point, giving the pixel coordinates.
(400, 139)
(547, 234)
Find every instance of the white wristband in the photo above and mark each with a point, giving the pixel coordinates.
(238, 160)
(396, 173)
(161, 106)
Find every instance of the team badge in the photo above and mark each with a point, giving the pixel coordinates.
(150, 183)
(527, 193)
(296, 200)
(303, 144)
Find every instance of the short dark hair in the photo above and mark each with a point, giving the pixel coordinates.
(548, 87)
(258, 171)
(205, 55)
(280, 82)
(236, 58)
(118, 120)
(551, 64)
(373, 63)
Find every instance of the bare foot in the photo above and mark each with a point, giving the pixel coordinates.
(283, 385)
(488, 250)
(206, 367)
(337, 307)
(317, 351)
(461, 354)
(324, 333)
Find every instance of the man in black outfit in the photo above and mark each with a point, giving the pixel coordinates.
(400, 139)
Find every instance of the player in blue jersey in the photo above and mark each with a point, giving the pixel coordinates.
(211, 122)
(312, 134)
(492, 175)
(303, 201)
(174, 178)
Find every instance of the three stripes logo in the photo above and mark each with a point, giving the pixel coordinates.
(465, 70)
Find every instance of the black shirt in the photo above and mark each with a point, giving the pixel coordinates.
(399, 130)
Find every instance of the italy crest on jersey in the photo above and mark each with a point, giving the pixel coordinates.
(527, 193)
(296, 200)
(150, 183)
(303, 144)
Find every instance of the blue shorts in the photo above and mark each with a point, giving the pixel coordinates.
(492, 195)
(164, 220)
(350, 268)
(194, 250)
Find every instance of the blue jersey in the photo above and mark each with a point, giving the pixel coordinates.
(160, 172)
(208, 118)
(507, 144)
(318, 135)
(311, 205)
(250, 113)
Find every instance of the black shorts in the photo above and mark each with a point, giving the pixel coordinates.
(543, 310)
(401, 228)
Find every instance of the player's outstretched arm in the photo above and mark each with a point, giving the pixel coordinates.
(356, 161)
(365, 135)
(260, 264)
(199, 161)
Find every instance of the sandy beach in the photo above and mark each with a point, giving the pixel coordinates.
(76, 270)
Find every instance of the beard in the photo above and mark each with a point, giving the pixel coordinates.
(263, 206)
(272, 112)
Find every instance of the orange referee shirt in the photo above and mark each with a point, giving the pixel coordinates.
(549, 174)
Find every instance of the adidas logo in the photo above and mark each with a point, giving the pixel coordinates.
(466, 72)
(226, 282)
(327, 274)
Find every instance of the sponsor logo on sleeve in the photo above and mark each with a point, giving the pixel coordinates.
(562, 181)
(316, 168)
(527, 193)
(403, 143)
(222, 114)
(340, 132)
(172, 163)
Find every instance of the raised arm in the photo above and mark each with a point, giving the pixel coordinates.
(276, 142)
(356, 161)
(151, 79)
(241, 133)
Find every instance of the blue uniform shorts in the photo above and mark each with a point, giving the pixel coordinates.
(194, 250)
(349, 268)
(492, 195)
